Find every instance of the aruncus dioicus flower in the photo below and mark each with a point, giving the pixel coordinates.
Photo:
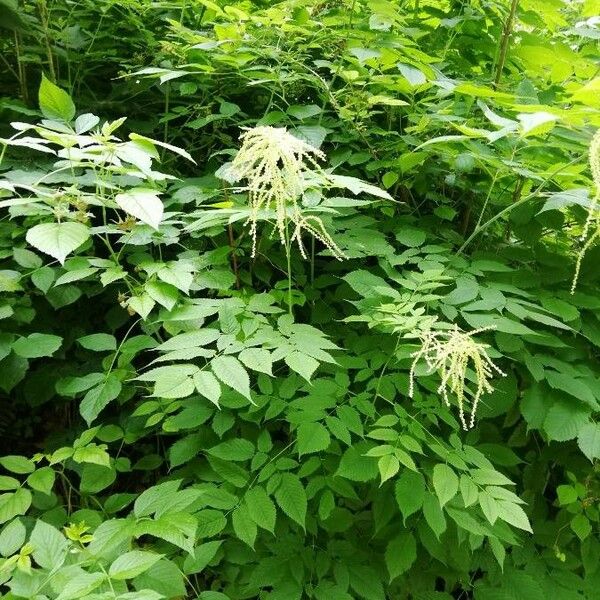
(278, 168)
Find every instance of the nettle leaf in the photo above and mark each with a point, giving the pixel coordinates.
(143, 204)
(55, 103)
(58, 239)
(291, 498)
(232, 373)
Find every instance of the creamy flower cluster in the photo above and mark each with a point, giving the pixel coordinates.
(450, 353)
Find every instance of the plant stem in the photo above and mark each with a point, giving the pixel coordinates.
(506, 33)
(21, 69)
(288, 255)
(43, 11)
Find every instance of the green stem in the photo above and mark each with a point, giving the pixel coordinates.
(288, 255)
(507, 32)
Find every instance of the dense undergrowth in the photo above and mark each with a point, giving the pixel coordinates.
(287, 301)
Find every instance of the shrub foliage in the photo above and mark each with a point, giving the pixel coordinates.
(286, 300)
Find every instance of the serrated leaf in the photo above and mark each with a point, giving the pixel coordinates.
(302, 364)
(388, 466)
(312, 437)
(400, 554)
(243, 526)
(410, 491)
(291, 498)
(55, 103)
(232, 373)
(257, 359)
(37, 345)
(49, 545)
(58, 239)
(445, 483)
(143, 204)
(131, 564)
(588, 439)
(99, 397)
(261, 508)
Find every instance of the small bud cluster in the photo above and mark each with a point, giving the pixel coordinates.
(449, 353)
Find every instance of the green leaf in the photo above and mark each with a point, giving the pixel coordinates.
(400, 554)
(131, 564)
(49, 546)
(14, 504)
(588, 439)
(231, 372)
(42, 480)
(201, 557)
(565, 419)
(489, 506)
(55, 103)
(433, 514)
(513, 514)
(99, 397)
(301, 363)
(17, 464)
(388, 466)
(81, 586)
(409, 492)
(243, 526)
(257, 359)
(58, 239)
(581, 526)
(37, 345)
(366, 583)
(164, 578)
(445, 483)
(98, 342)
(143, 204)
(12, 537)
(261, 508)
(235, 450)
(312, 437)
(207, 385)
(291, 497)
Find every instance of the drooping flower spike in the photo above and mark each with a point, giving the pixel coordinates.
(449, 353)
(277, 167)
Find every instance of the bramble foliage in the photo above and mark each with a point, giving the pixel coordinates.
(286, 304)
